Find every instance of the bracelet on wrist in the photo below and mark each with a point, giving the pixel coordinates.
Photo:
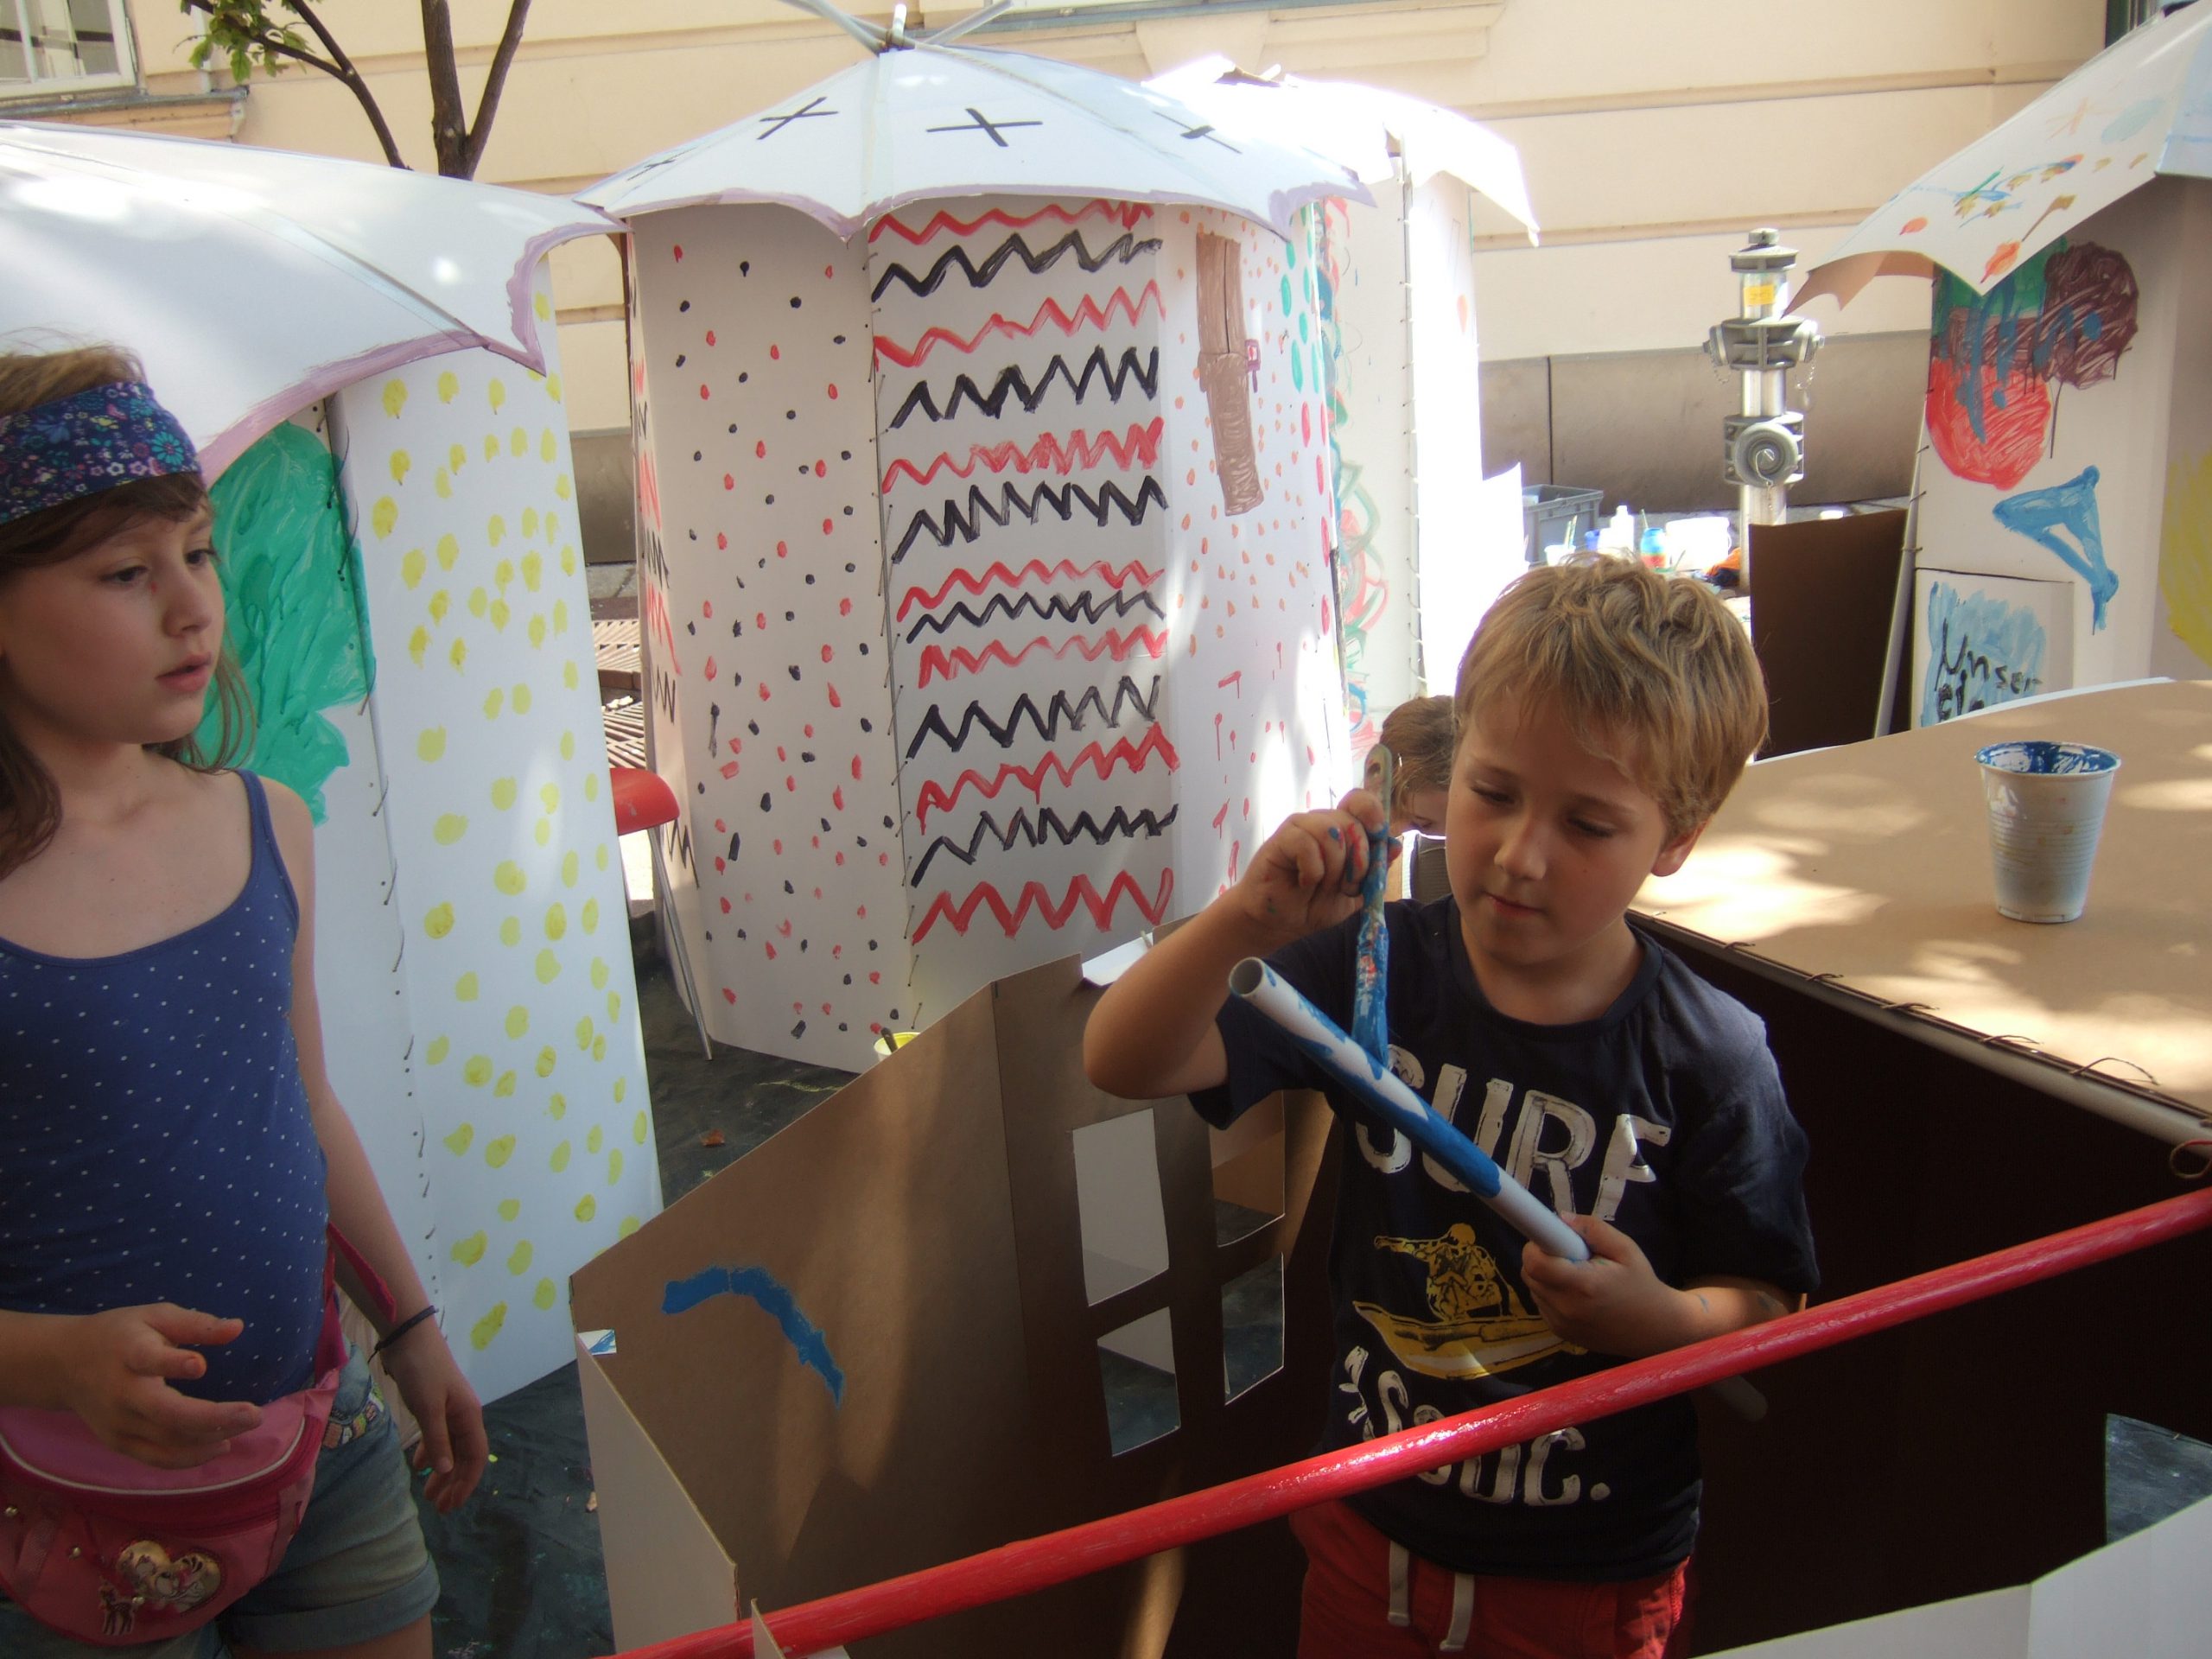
(402, 1329)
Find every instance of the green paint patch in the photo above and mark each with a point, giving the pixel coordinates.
(297, 617)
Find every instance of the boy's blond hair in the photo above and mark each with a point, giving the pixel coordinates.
(1649, 672)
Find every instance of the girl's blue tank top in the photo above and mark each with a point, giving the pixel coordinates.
(156, 1144)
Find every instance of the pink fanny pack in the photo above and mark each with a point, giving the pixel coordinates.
(115, 1552)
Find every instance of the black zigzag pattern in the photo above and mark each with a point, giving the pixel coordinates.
(1062, 501)
(1047, 723)
(1012, 382)
(1023, 828)
(1061, 608)
(1121, 251)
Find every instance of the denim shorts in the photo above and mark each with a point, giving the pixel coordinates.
(356, 1569)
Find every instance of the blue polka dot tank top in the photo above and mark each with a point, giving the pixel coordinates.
(155, 1140)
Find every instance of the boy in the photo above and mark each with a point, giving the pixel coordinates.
(1604, 714)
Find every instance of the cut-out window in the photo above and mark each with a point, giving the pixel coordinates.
(1136, 1367)
(1251, 1327)
(1248, 1172)
(1118, 1196)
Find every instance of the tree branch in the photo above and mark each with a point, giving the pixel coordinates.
(337, 67)
(447, 132)
(346, 73)
(495, 80)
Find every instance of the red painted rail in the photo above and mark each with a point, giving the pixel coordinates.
(1033, 1564)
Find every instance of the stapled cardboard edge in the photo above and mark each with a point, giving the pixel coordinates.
(666, 1573)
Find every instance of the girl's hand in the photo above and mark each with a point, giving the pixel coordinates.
(1612, 1304)
(1307, 874)
(453, 1448)
(118, 1366)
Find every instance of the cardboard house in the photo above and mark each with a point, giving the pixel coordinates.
(408, 601)
(1424, 541)
(2063, 529)
(986, 600)
(967, 1299)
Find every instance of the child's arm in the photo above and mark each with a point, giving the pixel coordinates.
(1152, 1033)
(1614, 1304)
(454, 1443)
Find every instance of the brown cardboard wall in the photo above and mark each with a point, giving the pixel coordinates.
(925, 1221)
(1964, 1453)
(1823, 592)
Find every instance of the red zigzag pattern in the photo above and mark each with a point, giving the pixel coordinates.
(1089, 314)
(1129, 214)
(1036, 895)
(940, 664)
(1138, 446)
(1036, 570)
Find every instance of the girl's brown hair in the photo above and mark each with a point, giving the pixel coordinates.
(1422, 734)
(30, 808)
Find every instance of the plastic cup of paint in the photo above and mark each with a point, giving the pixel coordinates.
(2046, 805)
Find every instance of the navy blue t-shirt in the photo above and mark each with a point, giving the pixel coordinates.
(1663, 1115)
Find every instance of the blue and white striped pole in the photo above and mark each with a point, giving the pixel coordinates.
(1379, 1087)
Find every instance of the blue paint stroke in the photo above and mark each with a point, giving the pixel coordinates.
(2133, 119)
(1982, 651)
(2071, 506)
(1993, 330)
(758, 1285)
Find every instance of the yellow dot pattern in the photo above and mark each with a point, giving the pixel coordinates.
(503, 840)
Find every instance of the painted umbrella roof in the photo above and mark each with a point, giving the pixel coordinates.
(921, 122)
(254, 281)
(1358, 126)
(2140, 109)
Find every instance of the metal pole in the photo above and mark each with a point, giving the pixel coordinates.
(1033, 1564)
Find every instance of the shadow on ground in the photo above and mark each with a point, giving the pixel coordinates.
(521, 1563)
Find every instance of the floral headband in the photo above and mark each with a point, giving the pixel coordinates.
(85, 444)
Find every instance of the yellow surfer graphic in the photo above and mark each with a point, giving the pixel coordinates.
(1481, 1327)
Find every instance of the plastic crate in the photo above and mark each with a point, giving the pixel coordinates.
(1553, 513)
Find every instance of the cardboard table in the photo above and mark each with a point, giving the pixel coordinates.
(1966, 1083)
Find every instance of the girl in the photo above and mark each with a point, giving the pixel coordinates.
(1422, 735)
(170, 1149)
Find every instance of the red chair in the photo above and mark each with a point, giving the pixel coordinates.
(644, 801)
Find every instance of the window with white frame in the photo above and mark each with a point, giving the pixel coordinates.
(63, 46)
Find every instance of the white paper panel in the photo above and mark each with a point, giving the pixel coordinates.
(1017, 350)
(516, 969)
(1362, 256)
(766, 637)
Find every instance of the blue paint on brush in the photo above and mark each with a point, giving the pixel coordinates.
(1371, 1018)
(758, 1285)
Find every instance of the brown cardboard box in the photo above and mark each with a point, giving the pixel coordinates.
(924, 1225)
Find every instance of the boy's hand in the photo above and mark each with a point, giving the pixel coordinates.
(1307, 874)
(453, 1447)
(1612, 1304)
(116, 1367)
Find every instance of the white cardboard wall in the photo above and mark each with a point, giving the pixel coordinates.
(964, 657)
(514, 953)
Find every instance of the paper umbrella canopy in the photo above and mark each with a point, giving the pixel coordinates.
(251, 283)
(2140, 110)
(927, 120)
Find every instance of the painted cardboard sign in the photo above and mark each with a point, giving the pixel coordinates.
(1982, 640)
(987, 599)
(2059, 407)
